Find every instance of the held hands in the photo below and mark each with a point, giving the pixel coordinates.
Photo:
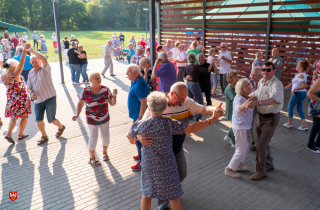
(131, 140)
(250, 104)
(27, 47)
(218, 112)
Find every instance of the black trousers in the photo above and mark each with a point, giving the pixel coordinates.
(314, 140)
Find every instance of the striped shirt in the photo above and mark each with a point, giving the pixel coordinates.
(181, 112)
(41, 84)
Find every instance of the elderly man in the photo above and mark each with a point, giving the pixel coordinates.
(136, 58)
(258, 61)
(224, 60)
(278, 62)
(27, 66)
(121, 37)
(73, 39)
(168, 47)
(74, 63)
(14, 43)
(181, 61)
(24, 36)
(42, 91)
(255, 76)
(137, 102)
(268, 98)
(180, 107)
(108, 51)
(166, 73)
(133, 42)
(35, 39)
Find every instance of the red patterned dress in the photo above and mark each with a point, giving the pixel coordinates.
(18, 100)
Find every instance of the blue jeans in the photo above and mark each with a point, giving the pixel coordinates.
(297, 99)
(139, 145)
(84, 74)
(75, 72)
(195, 92)
(49, 105)
(13, 52)
(35, 42)
(25, 74)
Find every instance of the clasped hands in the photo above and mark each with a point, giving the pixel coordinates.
(252, 102)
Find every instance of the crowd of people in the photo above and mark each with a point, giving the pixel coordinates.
(161, 102)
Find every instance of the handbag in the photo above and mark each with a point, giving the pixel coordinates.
(314, 107)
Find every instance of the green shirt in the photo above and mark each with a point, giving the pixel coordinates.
(229, 94)
(195, 52)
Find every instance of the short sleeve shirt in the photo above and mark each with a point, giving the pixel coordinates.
(167, 76)
(97, 111)
(27, 65)
(175, 53)
(230, 93)
(139, 90)
(167, 49)
(277, 61)
(224, 66)
(271, 89)
(181, 57)
(34, 36)
(108, 49)
(121, 37)
(54, 38)
(256, 62)
(196, 52)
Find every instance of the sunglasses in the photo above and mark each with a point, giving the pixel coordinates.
(223, 47)
(268, 70)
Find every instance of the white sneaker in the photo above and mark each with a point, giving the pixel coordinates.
(233, 146)
(220, 94)
(74, 83)
(223, 97)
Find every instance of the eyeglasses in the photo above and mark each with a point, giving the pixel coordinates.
(179, 97)
(268, 70)
(223, 47)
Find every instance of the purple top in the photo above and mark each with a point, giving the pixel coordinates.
(167, 76)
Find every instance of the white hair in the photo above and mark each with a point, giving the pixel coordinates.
(19, 49)
(240, 84)
(163, 56)
(34, 57)
(192, 58)
(80, 45)
(181, 45)
(73, 36)
(134, 68)
(258, 53)
(200, 54)
(258, 69)
(157, 102)
(223, 43)
(11, 64)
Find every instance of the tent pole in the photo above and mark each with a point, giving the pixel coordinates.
(204, 24)
(268, 30)
(152, 15)
(58, 37)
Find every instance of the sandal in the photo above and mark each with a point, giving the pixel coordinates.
(60, 131)
(43, 140)
(93, 162)
(214, 95)
(9, 139)
(105, 157)
(302, 128)
(23, 136)
(1, 123)
(287, 126)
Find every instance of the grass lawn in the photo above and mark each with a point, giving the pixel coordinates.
(93, 41)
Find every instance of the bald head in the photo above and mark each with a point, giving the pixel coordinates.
(275, 52)
(178, 87)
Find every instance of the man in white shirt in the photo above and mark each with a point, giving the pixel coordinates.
(181, 63)
(224, 61)
(108, 50)
(25, 37)
(167, 48)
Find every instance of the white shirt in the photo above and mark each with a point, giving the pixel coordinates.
(199, 47)
(224, 66)
(175, 52)
(25, 37)
(54, 38)
(41, 84)
(181, 57)
(210, 58)
(108, 49)
(241, 119)
(296, 82)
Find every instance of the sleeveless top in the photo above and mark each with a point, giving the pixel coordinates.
(296, 82)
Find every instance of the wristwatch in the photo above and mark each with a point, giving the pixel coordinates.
(139, 118)
(260, 103)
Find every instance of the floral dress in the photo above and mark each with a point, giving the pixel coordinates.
(6, 53)
(316, 68)
(160, 176)
(18, 101)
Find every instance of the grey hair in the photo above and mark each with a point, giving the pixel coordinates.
(134, 68)
(223, 43)
(200, 54)
(73, 36)
(258, 69)
(12, 63)
(181, 45)
(80, 45)
(178, 86)
(240, 84)
(34, 57)
(130, 44)
(157, 102)
(258, 53)
(192, 58)
(143, 61)
(19, 49)
(73, 44)
(163, 56)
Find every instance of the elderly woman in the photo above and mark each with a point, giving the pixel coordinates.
(6, 50)
(314, 137)
(232, 78)
(18, 101)
(193, 72)
(129, 52)
(54, 40)
(83, 63)
(241, 124)
(43, 45)
(298, 94)
(166, 184)
(145, 64)
(116, 44)
(194, 50)
(96, 97)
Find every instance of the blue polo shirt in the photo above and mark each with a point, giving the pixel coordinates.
(139, 90)
(167, 76)
(27, 65)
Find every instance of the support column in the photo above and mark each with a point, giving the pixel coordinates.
(269, 24)
(158, 22)
(58, 37)
(204, 23)
(152, 12)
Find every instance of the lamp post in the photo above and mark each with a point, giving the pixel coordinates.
(58, 37)
(146, 9)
